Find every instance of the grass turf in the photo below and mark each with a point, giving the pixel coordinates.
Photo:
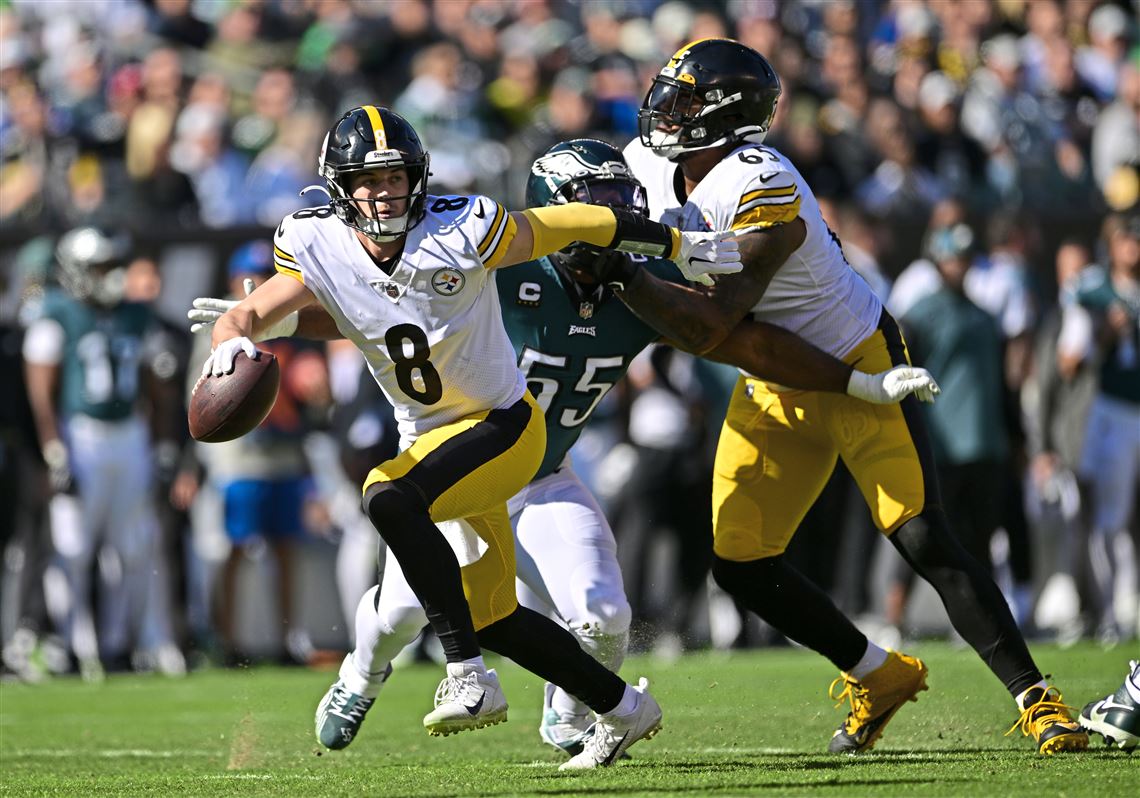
(753, 723)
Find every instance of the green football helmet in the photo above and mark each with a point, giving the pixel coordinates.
(590, 171)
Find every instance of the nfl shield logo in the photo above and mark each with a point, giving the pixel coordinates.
(447, 281)
(392, 290)
(586, 310)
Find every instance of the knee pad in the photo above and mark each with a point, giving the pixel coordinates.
(606, 613)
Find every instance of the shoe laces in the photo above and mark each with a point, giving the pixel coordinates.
(600, 741)
(453, 687)
(1036, 718)
(339, 701)
(853, 692)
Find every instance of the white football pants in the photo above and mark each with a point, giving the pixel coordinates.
(567, 560)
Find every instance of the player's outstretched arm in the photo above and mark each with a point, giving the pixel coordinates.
(234, 331)
(780, 356)
(699, 318)
(312, 321)
(541, 231)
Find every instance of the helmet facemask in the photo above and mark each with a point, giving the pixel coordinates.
(678, 117)
(348, 209)
(580, 261)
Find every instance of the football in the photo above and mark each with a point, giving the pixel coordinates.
(227, 407)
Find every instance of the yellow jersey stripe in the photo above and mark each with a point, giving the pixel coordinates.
(785, 191)
(377, 127)
(283, 254)
(510, 229)
(491, 238)
(767, 215)
(291, 271)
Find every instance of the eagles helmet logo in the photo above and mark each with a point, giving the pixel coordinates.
(559, 167)
(448, 281)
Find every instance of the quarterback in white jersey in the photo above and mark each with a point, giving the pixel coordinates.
(407, 277)
(700, 156)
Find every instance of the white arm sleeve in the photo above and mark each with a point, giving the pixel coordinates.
(43, 343)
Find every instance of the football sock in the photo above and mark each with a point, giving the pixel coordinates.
(627, 704)
(476, 664)
(1132, 683)
(608, 649)
(1041, 685)
(873, 657)
(549, 650)
(400, 515)
(798, 609)
(976, 607)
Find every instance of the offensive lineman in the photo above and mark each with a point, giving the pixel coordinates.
(700, 158)
(574, 342)
(404, 275)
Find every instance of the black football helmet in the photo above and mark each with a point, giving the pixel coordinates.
(590, 171)
(371, 137)
(712, 92)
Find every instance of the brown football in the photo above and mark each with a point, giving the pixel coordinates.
(227, 407)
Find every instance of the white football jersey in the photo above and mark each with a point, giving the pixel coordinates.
(815, 294)
(431, 331)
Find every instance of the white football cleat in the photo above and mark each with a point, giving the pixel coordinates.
(469, 698)
(562, 730)
(615, 733)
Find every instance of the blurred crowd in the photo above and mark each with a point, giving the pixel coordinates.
(979, 160)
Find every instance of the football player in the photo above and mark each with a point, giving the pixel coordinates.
(1116, 717)
(405, 277)
(573, 342)
(701, 157)
(84, 368)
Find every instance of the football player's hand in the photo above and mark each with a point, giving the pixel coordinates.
(891, 387)
(59, 467)
(221, 360)
(207, 310)
(705, 254)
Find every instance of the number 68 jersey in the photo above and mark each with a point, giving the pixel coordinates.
(815, 294)
(431, 331)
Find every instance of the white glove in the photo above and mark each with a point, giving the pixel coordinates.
(891, 387)
(703, 254)
(221, 359)
(207, 310)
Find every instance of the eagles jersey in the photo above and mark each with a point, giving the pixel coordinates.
(815, 294)
(101, 356)
(571, 351)
(431, 331)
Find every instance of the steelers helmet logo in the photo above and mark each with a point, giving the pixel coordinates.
(448, 281)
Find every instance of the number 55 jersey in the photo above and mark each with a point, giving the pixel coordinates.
(431, 331)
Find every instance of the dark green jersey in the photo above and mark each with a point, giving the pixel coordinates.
(572, 348)
(1120, 367)
(99, 373)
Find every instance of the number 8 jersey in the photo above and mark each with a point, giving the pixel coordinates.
(431, 331)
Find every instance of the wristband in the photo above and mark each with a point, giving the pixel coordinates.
(642, 236)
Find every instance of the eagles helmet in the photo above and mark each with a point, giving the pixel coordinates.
(712, 92)
(366, 138)
(92, 264)
(590, 171)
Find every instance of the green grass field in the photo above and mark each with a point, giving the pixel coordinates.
(743, 724)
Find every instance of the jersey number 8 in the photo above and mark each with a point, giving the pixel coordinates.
(406, 366)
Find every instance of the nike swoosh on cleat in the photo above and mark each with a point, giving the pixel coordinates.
(478, 705)
(609, 760)
(1107, 704)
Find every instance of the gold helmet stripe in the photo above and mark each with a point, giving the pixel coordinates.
(377, 127)
(684, 48)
